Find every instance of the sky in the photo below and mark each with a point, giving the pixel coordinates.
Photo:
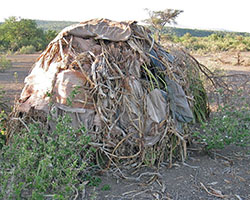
(230, 15)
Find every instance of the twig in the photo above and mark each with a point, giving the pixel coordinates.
(143, 174)
(223, 157)
(214, 192)
(193, 167)
(84, 189)
(238, 197)
(13, 118)
(210, 77)
(61, 49)
(129, 192)
(77, 193)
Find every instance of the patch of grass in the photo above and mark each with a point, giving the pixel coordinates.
(106, 187)
(228, 126)
(93, 180)
(45, 165)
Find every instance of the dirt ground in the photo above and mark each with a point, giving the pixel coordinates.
(12, 80)
(218, 174)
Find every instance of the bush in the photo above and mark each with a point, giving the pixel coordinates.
(43, 165)
(3, 120)
(4, 63)
(27, 49)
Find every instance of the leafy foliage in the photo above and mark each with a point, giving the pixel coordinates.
(158, 19)
(229, 125)
(200, 108)
(40, 165)
(16, 33)
(4, 63)
(3, 119)
(27, 49)
(50, 35)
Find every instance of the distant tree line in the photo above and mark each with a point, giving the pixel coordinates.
(16, 33)
(27, 36)
(191, 39)
(215, 42)
(179, 32)
(53, 25)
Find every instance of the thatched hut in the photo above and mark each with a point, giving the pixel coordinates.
(133, 96)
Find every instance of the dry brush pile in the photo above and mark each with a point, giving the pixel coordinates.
(134, 97)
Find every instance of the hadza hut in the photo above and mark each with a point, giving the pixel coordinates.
(133, 96)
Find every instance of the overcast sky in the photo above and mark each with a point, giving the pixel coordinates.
(232, 15)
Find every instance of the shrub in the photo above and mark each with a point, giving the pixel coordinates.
(43, 165)
(27, 49)
(3, 119)
(4, 63)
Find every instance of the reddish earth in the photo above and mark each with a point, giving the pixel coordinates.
(218, 174)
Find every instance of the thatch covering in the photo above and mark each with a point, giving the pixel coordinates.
(133, 97)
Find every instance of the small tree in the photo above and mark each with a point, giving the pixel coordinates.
(16, 33)
(4, 63)
(158, 19)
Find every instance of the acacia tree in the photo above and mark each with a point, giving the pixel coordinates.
(158, 19)
(16, 33)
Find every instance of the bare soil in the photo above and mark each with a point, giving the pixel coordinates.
(12, 80)
(217, 174)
